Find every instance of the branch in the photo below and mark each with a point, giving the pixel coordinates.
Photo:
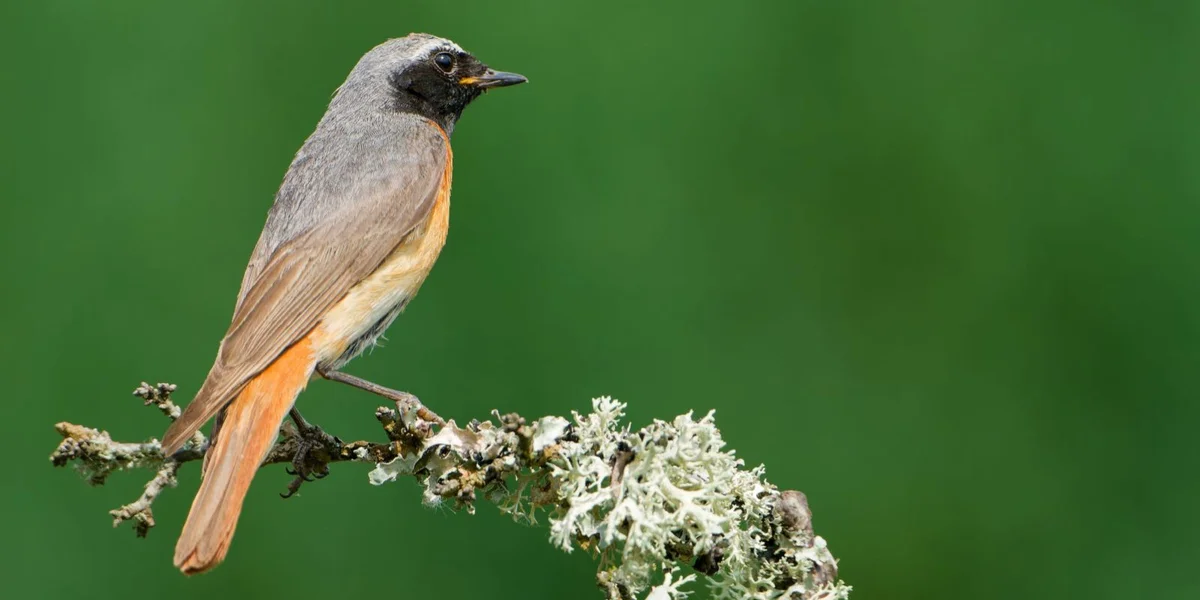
(653, 500)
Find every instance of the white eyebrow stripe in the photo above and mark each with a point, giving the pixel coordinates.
(438, 43)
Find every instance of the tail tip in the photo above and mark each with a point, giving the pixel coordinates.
(191, 564)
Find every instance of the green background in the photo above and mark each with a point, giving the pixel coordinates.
(933, 262)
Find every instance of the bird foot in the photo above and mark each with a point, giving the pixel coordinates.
(311, 460)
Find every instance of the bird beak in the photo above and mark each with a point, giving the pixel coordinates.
(493, 79)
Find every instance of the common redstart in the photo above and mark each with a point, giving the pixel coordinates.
(356, 226)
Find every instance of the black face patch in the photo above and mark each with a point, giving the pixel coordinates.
(431, 87)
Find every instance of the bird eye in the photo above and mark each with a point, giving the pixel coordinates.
(444, 61)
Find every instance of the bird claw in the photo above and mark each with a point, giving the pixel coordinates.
(302, 475)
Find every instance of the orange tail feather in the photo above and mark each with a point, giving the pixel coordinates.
(249, 430)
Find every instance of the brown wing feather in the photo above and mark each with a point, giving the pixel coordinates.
(309, 273)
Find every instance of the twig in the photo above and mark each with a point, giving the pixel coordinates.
(139, 511)
(160, 396)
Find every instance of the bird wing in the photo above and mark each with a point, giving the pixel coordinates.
(341, 216)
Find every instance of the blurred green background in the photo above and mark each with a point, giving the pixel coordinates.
(933, 262)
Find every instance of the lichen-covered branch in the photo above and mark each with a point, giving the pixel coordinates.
(649, 503)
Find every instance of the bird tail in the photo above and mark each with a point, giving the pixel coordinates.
(249, 429)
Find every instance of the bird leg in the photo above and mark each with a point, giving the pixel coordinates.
(306, 462)
(379, 390)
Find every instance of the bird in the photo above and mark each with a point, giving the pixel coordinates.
(355, 227)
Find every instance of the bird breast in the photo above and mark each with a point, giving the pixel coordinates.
(356, 322)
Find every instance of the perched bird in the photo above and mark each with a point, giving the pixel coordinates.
(357, 224)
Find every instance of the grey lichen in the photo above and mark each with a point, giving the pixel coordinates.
(647, 502)
(668, 493)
